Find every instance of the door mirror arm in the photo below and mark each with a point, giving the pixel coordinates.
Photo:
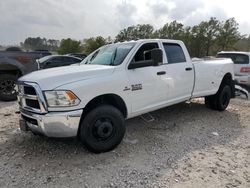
(140, 64)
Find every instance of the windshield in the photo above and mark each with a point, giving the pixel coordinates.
(113, 54)
(236, 58)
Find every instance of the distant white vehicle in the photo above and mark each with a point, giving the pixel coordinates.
(117, 82)
(241, 65)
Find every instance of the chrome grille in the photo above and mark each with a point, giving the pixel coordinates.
(30, 98)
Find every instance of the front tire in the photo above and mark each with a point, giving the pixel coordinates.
(102, 129)
(8, 87)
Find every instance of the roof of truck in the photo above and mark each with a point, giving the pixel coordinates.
(145, 40)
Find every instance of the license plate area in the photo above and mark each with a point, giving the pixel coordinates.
(23, 125)
(30, 120)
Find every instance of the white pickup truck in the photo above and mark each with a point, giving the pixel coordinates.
(117, 82)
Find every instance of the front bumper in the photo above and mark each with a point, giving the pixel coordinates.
(52, 124)
(244, 80)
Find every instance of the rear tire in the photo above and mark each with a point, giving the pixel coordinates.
(223, 98)
(220, 100)
(7, 87)
(102, 129)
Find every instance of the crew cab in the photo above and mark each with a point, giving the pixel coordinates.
(117, 82)
(241, 65)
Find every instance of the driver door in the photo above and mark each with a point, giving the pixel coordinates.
(148, 88)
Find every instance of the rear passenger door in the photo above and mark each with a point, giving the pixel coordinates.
(180, 73)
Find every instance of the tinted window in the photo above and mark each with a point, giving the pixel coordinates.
(236, 58)
(142, 54)
(76, 60)
(56, 60)
(71, 60)
(174, 53)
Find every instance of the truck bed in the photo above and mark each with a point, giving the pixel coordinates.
(208, 76)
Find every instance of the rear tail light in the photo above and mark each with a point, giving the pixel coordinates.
(245, 69)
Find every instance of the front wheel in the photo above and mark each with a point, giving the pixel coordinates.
(8, 91)
(102, 129)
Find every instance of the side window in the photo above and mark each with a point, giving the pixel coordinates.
(70, 60)
(74, 60)
(174, 53)
(142, 54)
(56, 60)
(67, 59)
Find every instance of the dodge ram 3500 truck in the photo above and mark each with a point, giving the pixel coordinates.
(117, 82)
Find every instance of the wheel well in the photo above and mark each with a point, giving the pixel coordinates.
(111, 99)
(10, 69)
(227, 80)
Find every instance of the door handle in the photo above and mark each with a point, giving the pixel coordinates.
(161, 73)
(189, 69)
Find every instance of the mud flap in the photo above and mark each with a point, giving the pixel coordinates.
(239, 90)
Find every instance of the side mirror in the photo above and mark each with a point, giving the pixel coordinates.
(140, 64)
(152, 57)
(157, 56)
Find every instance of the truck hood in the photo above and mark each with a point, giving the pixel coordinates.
(49, 79)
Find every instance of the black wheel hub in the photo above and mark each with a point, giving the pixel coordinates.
(103, 129)
(7, 87)
(225, 98)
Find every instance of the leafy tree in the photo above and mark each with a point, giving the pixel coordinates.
(211, 33)
(173, 30)
(33, 43)
(52, 45)
(204, 37)
(197, 48)
(69, 46)
(140, 31)
(228, 35)
(93, 43)
(40, 44)
(243, 44)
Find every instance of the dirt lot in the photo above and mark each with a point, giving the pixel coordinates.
(186, 146)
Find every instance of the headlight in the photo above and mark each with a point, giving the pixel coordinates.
(61, 98)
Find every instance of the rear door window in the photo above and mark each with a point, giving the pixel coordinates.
(236, 58)
(174, 53)
(56, 60)
(71, 60)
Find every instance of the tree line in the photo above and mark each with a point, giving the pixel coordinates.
(204, 39)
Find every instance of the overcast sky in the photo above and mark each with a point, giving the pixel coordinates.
(81, 19)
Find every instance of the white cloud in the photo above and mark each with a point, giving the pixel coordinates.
(81, 19)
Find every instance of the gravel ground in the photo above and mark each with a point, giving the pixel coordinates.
(187, 145)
